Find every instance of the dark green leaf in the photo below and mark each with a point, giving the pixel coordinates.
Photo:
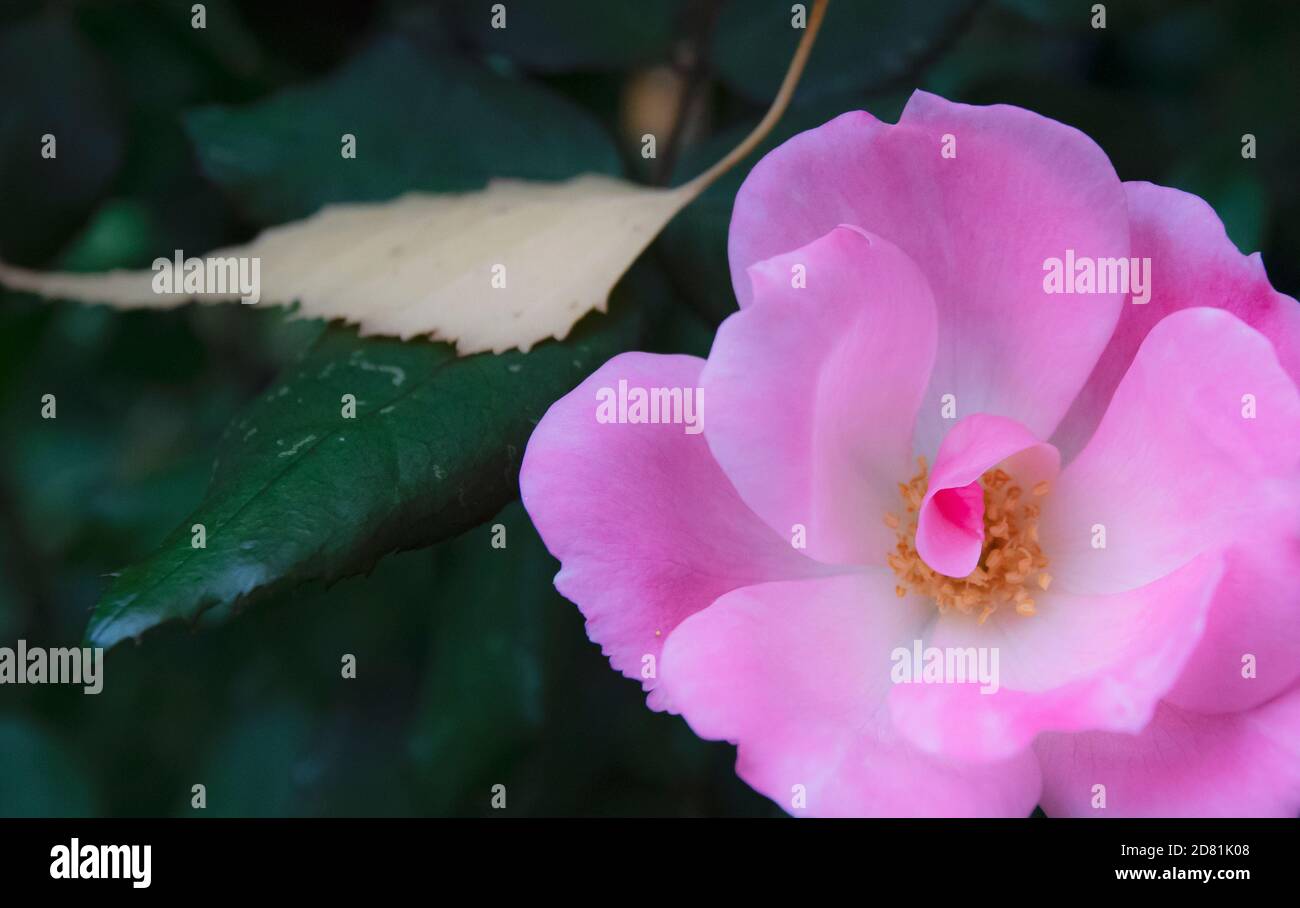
(438, 125)
(299, 492)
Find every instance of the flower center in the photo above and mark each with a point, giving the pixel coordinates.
(1011, 561)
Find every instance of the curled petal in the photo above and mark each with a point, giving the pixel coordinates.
(981, 198)
(813, 390)
(950, 527)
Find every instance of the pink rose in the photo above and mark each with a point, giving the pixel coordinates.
(925, 435)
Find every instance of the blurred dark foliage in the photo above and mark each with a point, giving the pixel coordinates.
(472, 671)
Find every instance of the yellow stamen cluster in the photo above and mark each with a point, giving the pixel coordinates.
(1010, 559)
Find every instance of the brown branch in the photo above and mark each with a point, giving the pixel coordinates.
(694, 58)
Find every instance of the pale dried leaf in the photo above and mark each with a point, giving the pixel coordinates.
(423, 264)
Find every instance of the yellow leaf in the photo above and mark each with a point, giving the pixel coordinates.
(506, 266)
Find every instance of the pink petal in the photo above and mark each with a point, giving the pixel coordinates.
(796, 673)
(813, 391)
(1021, 189)
(950, 526)
(1193, 263)
(646, 527)
(1175, 469)
(1257, 610)
(1080, 663)
(1255, 613)
(1244, 764)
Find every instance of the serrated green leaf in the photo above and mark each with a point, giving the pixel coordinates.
(300, 492)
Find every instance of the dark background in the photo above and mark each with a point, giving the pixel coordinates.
(471, 670)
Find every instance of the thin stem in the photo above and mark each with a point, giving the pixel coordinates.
(779, 104)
